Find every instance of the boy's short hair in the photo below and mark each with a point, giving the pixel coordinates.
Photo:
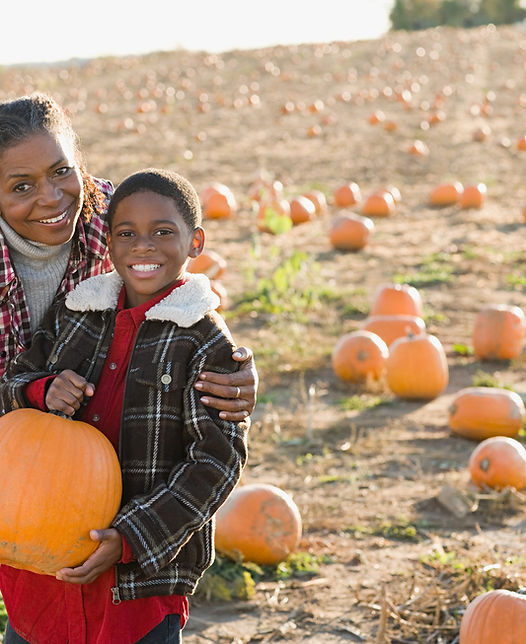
(163, 182)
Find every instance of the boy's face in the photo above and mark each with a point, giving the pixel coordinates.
(150, 245)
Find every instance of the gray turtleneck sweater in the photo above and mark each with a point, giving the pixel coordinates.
(40, 268)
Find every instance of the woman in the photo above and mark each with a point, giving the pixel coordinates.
(53, 235)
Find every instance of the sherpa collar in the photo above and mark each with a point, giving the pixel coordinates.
(185, 305)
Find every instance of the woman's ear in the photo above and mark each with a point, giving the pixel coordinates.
(198, 242)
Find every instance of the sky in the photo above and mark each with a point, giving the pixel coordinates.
(36, 31)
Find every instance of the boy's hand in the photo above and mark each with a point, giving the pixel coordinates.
(66, 392)
(234, 394)
(107, 554)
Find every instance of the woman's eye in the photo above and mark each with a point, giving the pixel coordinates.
(21, 187)
(63, 171)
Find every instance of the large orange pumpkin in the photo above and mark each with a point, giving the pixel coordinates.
(392, 327)
(495, 617)
(359, 355)
(259, 523)
(417, 367)
(350, 231)
(396, 299)
(473, 196)
(319, 200)
(481, 412)
(498, 462)
(59, 479)
(498, 332)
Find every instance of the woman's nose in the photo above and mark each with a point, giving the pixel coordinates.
(49, 193)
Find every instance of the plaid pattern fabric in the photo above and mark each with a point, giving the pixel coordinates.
(89, 256)
(179, 460)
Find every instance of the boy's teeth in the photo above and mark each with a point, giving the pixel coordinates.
(145, 267)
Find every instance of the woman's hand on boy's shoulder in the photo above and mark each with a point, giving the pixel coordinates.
(234, 394)
(107, 554)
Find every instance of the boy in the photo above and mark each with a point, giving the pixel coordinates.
(122, 353)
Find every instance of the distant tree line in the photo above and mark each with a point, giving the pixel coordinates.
(422, 14)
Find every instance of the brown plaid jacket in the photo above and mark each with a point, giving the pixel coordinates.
(179, 460)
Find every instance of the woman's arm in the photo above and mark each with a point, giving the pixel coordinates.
(233, 394)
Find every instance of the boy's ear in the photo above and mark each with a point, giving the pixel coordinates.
(108, 241)
(198, 242)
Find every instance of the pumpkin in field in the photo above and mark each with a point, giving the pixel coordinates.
(520, 144)
(446, 194)
(473, 196)
(301, 210)
(495, 617)
(358, 356)
(350, 231)
(218, 201)
(396, 299)
(209, 262)
(498, 332)
(392, 327)
(259, 523)
(418, 148)
(379, 204)
(319, 200)
(417, 367)
(274, 217)
(59, 479)
(348, 194)
(481, 412)
(498, 462)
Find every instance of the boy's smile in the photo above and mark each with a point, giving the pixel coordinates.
(150, 245)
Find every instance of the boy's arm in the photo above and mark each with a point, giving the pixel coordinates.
(30, 365)
(158, 524)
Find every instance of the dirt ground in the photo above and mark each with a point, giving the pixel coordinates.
(366, 469)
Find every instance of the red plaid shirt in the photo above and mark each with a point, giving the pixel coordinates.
(89, 256)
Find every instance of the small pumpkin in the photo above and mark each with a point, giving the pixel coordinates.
(498, 332)
(495, 617)
(59, 478)
(350, 231)
(396, 299)
(446, 194)
(359, 356)
(348, 194)
(520, 144)
(218, 201)
(498, 462)
(301, 210)
(319, 200)
(482, 412)
(392, 327)
(417, 367)
(209, 262)
(379, 204)
(258, 522)
(473, 196)
(418, 148)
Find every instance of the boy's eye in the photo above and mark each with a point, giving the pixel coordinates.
(163, 231)
(125, 233)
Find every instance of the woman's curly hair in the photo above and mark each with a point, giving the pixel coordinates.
(37, 114)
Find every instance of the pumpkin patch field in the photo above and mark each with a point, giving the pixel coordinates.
(332, 173)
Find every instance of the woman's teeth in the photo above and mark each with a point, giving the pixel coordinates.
(145, 267)
(54, 220)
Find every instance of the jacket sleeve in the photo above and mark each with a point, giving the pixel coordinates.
(30, 365)
(158, 524)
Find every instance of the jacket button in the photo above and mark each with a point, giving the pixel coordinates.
(113, 365)
(95, 418)
(166, 378)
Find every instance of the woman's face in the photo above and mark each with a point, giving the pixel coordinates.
(41, 188)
